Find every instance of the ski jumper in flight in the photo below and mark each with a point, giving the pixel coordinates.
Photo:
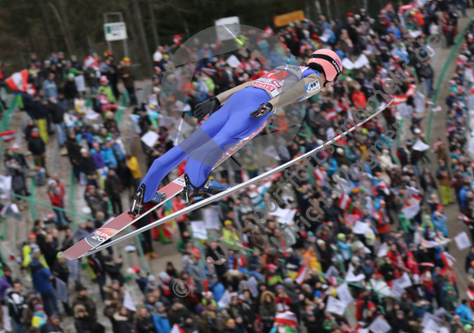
(234, 115)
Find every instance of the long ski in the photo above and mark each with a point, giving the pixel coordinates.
(124, 220)
(233, 189)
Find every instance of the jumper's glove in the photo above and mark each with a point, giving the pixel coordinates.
(262, 110)
(207, 107)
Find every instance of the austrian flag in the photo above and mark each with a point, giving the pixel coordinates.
(8, 135)
(320, 175)
(344, 201)
(286, 318)
(331, 115)
(301, 275)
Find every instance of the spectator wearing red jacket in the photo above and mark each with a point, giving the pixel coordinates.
(56, 195)
(358, 98)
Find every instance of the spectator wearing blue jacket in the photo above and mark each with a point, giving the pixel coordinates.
(420, 308)
(160, 319)
(275, 57)
(439, 221)
(50, 89)
(217, 288)
(464, 312)
(108, 155)
(462, 195)
(42, 283)
(343, 248)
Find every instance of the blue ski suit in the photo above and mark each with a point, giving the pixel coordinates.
(232, 123)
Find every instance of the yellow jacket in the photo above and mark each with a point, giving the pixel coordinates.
(310, 260)
(27, 253)
(132, 164)
(227, 234)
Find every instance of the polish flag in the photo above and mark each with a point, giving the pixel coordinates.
(448, 259)
(331, 115)
(301, 275)
(19, 82)
(464, 218)
(320, 175)
(177, 39)
(8, 135)
(344, 201)
(285, 318)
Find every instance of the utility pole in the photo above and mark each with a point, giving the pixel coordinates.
(156, 39)
(46, 27)
(67, 30)
(141, 31)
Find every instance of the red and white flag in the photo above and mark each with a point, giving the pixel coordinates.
(464, 218)
(177, 39)
(89, 61)
(8, 135)
(320, 175)
(448, 259)
(301, 275)
(399, 99)
(470, 294)
(19, 82)
(177, 329)
(449, 129)
(267, 32)
(331, 115)
(415, 199)
(285, 318)
(383, 187)
(344, 201)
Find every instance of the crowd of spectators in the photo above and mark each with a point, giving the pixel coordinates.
(387, 228)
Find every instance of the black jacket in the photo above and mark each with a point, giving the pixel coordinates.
(60, 271)
(36, 145)
(87, 165)
(73, 150)
(56, 112)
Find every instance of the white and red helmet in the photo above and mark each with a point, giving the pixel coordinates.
(329, 61)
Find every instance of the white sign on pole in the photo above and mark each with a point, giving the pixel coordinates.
(232, 23)
(379, 326)
(335, 306)
(462, 241)
(150, 138)
(115, 31)
(344, 294)
(128, 301)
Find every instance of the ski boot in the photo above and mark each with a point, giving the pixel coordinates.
(137, 206)
(193, 194)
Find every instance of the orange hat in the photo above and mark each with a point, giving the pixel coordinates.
(32, 235)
